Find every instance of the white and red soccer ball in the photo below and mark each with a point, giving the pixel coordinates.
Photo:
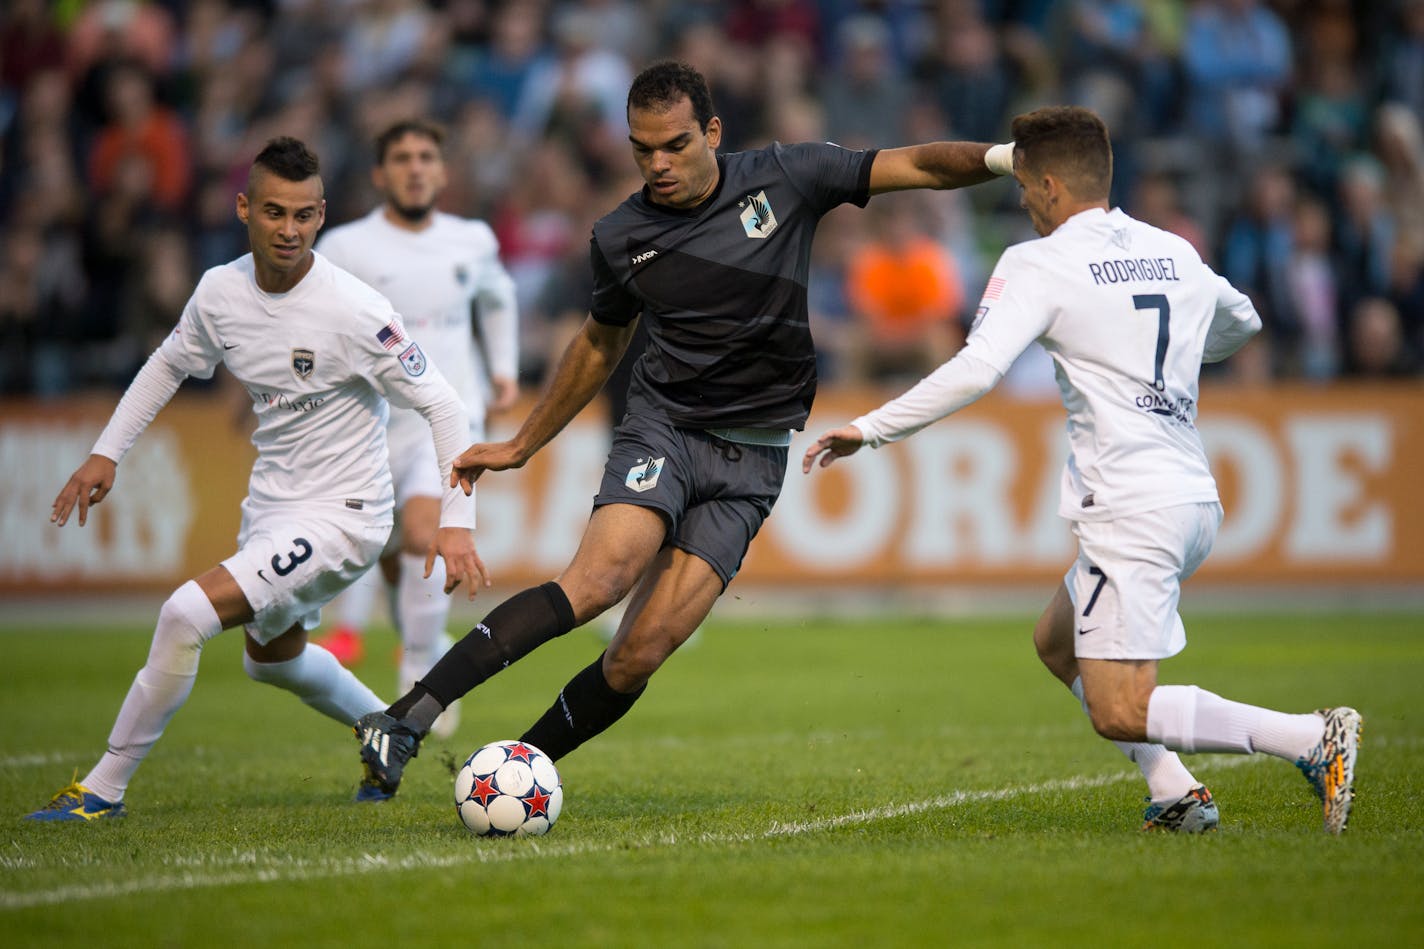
(508, 788)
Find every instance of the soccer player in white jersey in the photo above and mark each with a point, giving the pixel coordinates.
(440, 272)
(320, 353)
(1128, 313)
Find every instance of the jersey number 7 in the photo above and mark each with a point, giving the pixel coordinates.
(1158, 302)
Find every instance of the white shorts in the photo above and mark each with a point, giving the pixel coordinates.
(292, 560)
(1126, 582)
(415, 472)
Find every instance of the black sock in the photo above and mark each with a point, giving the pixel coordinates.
(510, 632)
(586, 707)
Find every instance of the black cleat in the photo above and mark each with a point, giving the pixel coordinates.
(386, 745)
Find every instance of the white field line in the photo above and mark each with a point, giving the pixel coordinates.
(39, 760)
(242, 868)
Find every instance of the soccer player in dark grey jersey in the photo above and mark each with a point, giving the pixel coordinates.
(713, 256)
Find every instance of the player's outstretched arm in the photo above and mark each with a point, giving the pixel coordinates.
(939, 165)
(88, 485)
(456, 546)
(837, 443)
(586, 364)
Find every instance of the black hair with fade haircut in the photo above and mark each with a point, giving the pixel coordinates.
(1070, 142)
(659, 87)
(394, 133)
(287, 158)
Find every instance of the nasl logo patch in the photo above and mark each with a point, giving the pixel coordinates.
(303, 362)
(413, 360)
(758, 220)
(644, 477)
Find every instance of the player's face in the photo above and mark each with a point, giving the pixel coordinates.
(677, 159)
(411, 176)
(282, 219)
(1036, 197)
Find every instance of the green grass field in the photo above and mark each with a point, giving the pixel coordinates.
(780, 784)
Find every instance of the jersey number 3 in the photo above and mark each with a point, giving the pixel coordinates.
(1158, 302)
(298, 556)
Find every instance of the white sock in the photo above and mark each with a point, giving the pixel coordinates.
(423, 609)
(186, 621)
(1190, 719)
(1167, 778)
(320, 681)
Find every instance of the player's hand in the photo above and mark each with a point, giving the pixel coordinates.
(456, 546)
(485, 456)
(506, 393)
(89, 485)
(837, 443)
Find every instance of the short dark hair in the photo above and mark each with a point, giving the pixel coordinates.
(663, 84)
(1068, 141)
(394, 133)
(287, 158)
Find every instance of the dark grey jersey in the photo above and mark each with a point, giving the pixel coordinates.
(722, 287)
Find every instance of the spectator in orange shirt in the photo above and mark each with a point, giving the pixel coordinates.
(139, 128)
(906, 294)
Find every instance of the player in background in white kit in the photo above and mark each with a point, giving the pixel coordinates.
(440, 272)
(1128, 313)
(319, 352)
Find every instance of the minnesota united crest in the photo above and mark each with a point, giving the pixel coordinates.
(758, 220)
(303, 362)
(644, 477)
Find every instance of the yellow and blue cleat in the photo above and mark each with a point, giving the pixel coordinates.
(76, 802)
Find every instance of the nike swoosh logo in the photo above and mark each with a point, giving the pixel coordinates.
(233, 346)
(264, 578)
(86, 814)
(1084, 632)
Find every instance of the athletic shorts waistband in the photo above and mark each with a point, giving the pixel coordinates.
(772, 437)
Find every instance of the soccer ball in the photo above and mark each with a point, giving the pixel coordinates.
(508, 787)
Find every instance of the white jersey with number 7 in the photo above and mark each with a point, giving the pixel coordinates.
(1129, 313)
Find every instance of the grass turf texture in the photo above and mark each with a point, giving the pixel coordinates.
(781, 783)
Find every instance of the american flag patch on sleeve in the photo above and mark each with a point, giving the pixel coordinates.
(994, 288)
(391, 336)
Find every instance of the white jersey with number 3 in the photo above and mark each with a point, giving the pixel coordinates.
(1128, 312)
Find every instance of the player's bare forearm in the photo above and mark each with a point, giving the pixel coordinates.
(89, 485)
(586, 364)
(837, 443)
(937, 165)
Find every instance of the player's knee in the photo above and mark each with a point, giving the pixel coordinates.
(1114, 719)
(630, 665)
(179, 635)
(593, 595)
(268, 673)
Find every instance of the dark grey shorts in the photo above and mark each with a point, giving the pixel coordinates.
(713, 494)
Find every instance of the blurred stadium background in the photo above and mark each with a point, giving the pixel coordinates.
(1283, 139)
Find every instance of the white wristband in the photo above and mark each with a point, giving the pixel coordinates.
(1000, 159)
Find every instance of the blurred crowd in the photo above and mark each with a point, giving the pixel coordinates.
(1283, 139)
